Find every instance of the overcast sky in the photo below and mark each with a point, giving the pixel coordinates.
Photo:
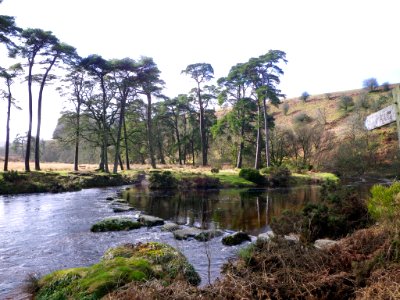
(330, 45)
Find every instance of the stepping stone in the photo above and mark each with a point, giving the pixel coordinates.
(184, 234)
(236, 239)
(150, 221)
(208, 235)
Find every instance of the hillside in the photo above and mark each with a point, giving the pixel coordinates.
(345, 122)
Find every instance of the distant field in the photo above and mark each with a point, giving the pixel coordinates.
(54, 166)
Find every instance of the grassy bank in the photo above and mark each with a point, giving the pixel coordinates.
(38, 182)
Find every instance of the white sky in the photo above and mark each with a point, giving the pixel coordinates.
(330, 45)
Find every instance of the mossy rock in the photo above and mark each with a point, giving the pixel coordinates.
(115, 224)
(118, 267)
(184, 234)
(208, 235)
(236, 239)
(150, 221)
(170, 227)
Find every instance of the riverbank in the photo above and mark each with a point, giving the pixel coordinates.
(17, 182)
(14, 182)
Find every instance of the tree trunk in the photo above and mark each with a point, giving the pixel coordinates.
(160, 150)
(241, 146)
(202, 128)
(178, 140)
(39, 121)
(77, 136)
(8, 127)
(266, 129)
(105, 133)
(117, 144)
(128, 167)
(258, 143)
(29, 134)
(150, 133)
(121, 165)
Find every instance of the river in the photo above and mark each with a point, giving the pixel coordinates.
(40, 233)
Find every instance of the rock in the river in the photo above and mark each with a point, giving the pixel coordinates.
(109, 198)
(115, 224)
(119, 267)
(150, 221)
(207, 235)
(122, 208)
(236, 239)
(265, 236)
(184, 234)
(170, 227)
(324, 243)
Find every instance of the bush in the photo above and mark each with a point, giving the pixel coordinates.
(346, 102)
(162, 180)
(12, 176)
(214, 170)
(252, 175)
(363, 101)
(278, 175)
(285, 108)
(302, 118)
(304, 96)
(386, 86)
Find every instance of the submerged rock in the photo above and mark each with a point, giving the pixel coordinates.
(109, 198)
(236, 239)
(115, 224)
(118, 267)
(150, 221)
(184, 234)
(122, 208)
(207, 235)
(170, 227)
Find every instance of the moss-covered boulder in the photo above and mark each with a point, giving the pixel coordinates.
(236, 239)
(184, 234)
(207, 235)
(115, 224)
(119, 266)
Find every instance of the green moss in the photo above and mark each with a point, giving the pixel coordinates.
(236, 239)
(115, 224)
(119, 266)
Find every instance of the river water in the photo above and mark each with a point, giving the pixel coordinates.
(40, 233)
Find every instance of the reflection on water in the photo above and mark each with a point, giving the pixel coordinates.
(247, 210)
(45, 232)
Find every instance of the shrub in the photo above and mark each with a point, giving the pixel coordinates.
(302, 118)
(12, 176)
(304, 96)
(214, 170)
(386, 86)
(285, 108)
(252, 175)
(279, 176)
(363, 101)
(162, 180)
(346, 102)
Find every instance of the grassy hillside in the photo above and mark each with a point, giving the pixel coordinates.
(346, 122)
